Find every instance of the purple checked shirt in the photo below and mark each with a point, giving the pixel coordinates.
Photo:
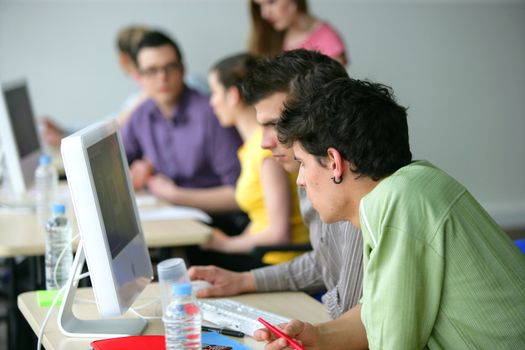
(191, 147)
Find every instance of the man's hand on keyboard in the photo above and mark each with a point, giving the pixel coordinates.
(305, 333)
(225, 282)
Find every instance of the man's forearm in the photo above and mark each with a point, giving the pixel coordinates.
(345, 333)
(248, 282)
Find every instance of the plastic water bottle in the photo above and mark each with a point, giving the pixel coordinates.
(58, 242)
(46, 183)
(182, 320)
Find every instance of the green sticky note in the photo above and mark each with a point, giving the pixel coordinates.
(45, 297)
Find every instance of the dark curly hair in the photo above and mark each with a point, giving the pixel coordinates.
(268, 76)
(360, 119)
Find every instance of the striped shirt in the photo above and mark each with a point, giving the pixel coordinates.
(439, 272)
(334, 264)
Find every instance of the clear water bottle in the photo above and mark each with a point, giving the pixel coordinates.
(58, 242)
(46, 183)
(182, 320)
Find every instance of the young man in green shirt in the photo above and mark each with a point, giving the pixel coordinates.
(438, 271)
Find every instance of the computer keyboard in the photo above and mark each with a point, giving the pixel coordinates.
(234, 315)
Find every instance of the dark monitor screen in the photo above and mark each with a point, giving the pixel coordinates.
(114, 199)
(22, 120)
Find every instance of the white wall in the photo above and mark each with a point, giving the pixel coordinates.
(458, 65)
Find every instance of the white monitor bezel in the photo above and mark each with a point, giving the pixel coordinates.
(19, 171)
(112, 299)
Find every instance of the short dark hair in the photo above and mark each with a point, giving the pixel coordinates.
(232, 70)
(156, 39)
(360, 119)
(271, 75)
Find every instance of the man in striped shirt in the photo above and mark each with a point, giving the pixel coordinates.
(335, 263)
(438, 271)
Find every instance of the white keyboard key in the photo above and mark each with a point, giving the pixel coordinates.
(234, 315)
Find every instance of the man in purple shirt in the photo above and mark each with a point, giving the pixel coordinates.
(173, 141)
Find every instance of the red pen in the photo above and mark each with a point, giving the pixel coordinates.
(276, 331)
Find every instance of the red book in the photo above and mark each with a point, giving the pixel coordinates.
(138, 342)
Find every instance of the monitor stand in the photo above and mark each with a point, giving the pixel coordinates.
(72, 326)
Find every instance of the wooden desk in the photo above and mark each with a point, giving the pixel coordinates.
(21, 236)
(290, 304)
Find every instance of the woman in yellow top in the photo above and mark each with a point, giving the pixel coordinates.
(264, 190)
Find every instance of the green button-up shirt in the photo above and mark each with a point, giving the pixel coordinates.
(439, 272)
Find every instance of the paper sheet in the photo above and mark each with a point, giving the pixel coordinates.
(144, 199)
(173, 212)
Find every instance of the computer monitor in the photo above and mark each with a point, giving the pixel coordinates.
(19, 136)
(111, 233)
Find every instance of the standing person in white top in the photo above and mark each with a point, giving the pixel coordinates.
(335, 264)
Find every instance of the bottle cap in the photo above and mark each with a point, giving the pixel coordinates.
(44, 159)
(59, 208)
(173, 270)
(181, 289)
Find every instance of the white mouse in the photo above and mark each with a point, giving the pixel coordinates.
(197, 285)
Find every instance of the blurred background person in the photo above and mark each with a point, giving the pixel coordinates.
(175, 146)
(283, 25)
(127, 42)
(264, 190)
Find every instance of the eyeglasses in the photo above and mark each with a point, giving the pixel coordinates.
(168, 69)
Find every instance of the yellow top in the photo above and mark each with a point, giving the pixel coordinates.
(249, 195)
